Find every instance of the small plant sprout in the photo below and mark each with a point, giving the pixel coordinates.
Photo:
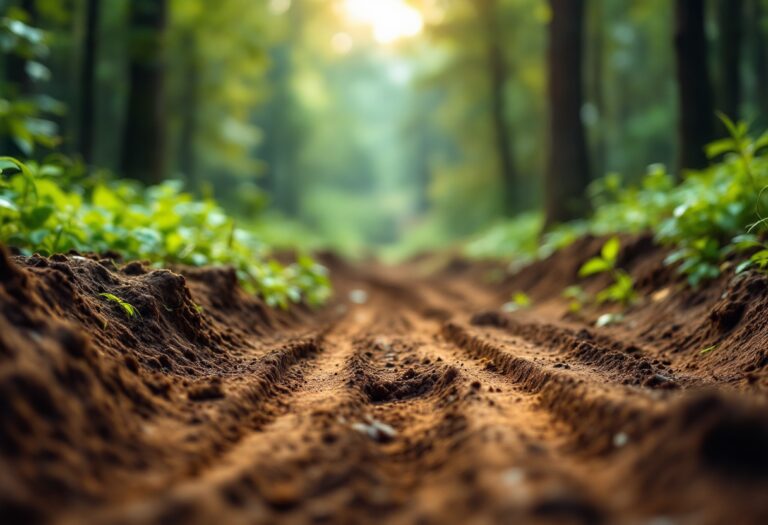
(707, 349)
(127, 307)
(758, 260)
(520, 301)
(577, 298)
(622, 289)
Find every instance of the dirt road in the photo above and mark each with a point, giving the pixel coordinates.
(411, 399)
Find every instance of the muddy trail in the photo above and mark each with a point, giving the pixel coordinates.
(410, 399)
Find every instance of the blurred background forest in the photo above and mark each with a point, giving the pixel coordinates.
(390, 125)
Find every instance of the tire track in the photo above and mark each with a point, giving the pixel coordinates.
(407, 408)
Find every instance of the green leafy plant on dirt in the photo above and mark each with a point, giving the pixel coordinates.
(699, 217)
(125, 306)
(577, 297)
(51, 207)
(518, 301)
(621, 290)
(702, 218)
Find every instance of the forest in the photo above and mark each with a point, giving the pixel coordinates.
(383, 261)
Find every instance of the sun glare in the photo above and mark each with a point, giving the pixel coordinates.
(390, 20)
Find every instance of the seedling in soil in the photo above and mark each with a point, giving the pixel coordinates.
(708, 349)
(127, 307)
(520, 301)
(758, 260)
(578, 297)
(622, 289)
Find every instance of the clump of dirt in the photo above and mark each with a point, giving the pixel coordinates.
(713, 442)
(406, 379)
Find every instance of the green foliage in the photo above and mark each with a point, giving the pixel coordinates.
(605, 262)
(702, 219)
(50, 208)
(127, 307)
(22, 115)
(519, 301)
(621, 290)
(577, 298)
(699, 217)
(515, 238)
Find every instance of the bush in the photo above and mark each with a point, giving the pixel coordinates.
(43, 210)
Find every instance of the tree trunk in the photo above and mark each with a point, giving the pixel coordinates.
(760, 57)
(497, 77)
(597, 38)
(696, 121)
(88, 81)
(730, 15)
(191, 102)
(144, 144)
(567, 172)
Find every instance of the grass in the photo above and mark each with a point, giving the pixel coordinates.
(127, 307)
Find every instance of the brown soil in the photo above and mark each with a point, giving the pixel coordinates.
(424, 404)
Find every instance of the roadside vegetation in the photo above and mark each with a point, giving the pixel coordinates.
(53, 204)
(54, 207)
(709, 215)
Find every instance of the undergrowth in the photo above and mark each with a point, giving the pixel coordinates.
(705, 217)
(52, 207)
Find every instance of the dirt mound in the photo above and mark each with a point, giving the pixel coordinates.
(84, 384)
(135, 395)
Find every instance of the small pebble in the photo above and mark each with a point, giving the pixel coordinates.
(513, 476)
(620, 439)
(358, 296)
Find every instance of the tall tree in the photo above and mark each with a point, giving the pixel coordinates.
(191, 107)
(497, 77)
(759, 41)
(88, 80)
(144, 143)
(17, 81)
(596, 22)
(567, 171)
(696, 120)
(730, 16)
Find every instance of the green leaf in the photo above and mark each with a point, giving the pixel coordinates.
(37, 217)
(18, 164)
(594, 266)
(761, 142)
(7, 205)
(127, 307)
(720, 147)
(729, 124)
(610, 250)
(522, 299)
(743, 266)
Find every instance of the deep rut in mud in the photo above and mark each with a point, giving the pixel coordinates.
(418, 402)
